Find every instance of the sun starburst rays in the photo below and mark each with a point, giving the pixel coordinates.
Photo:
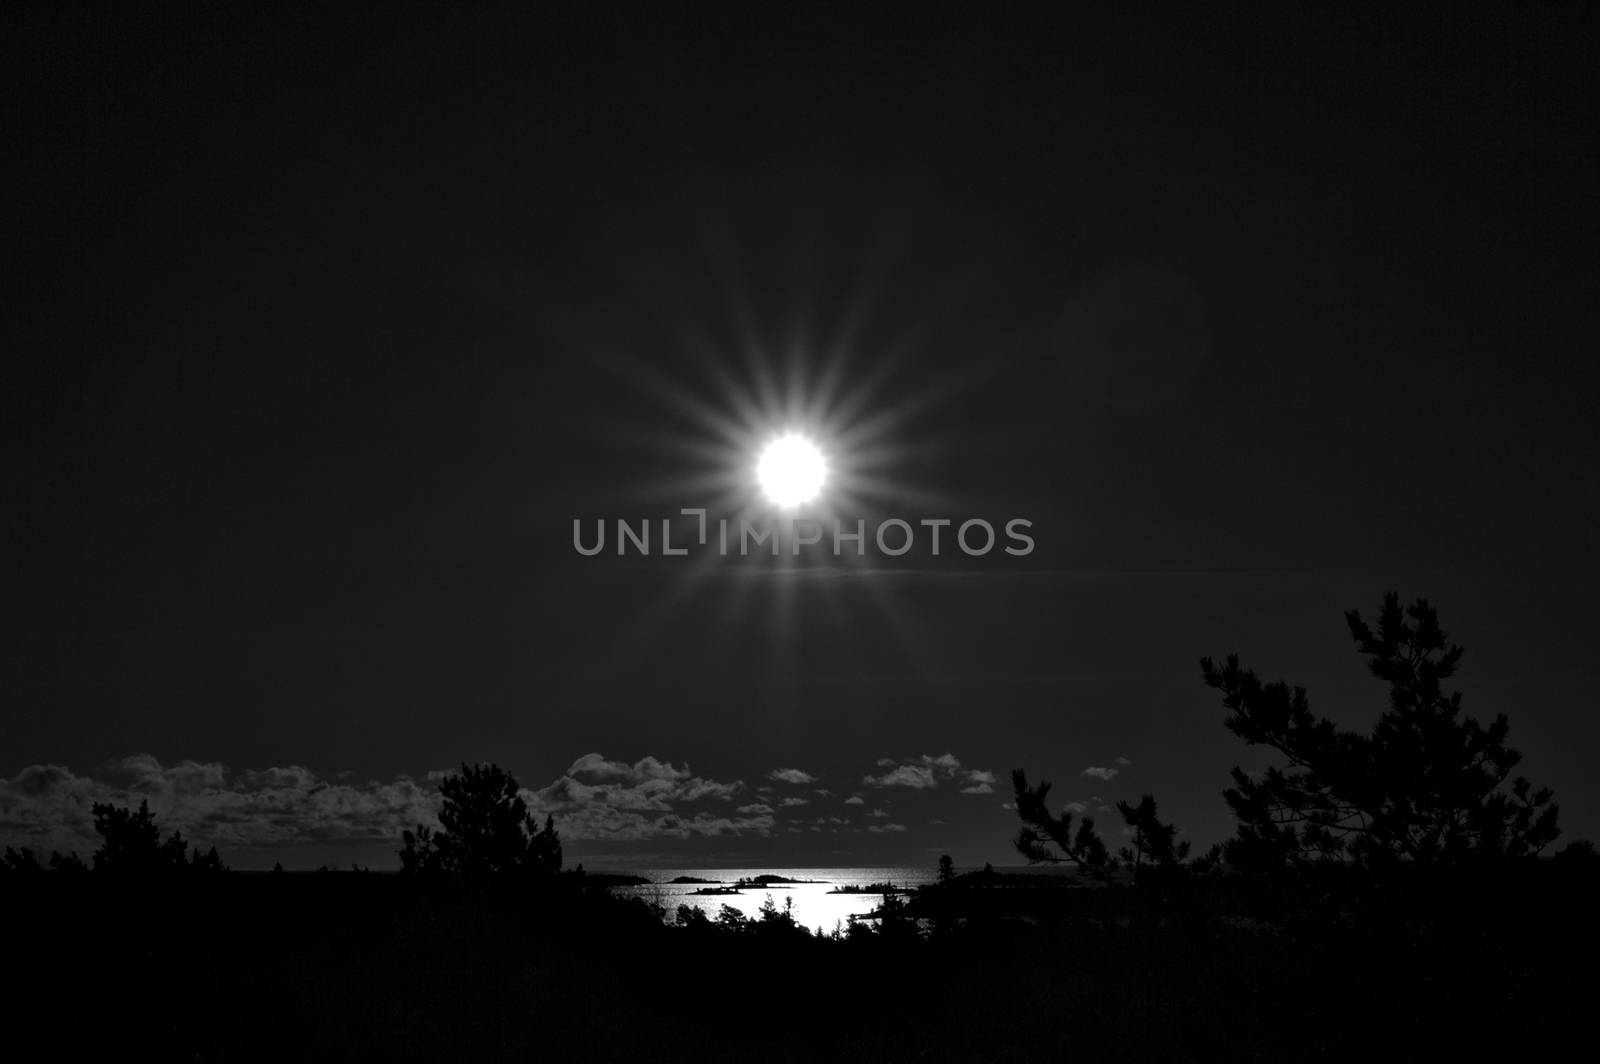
(714, 398)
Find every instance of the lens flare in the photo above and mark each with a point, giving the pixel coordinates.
(791, 471)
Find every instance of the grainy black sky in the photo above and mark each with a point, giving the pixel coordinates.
(330, 323)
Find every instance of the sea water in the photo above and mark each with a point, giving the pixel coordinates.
(814, 904)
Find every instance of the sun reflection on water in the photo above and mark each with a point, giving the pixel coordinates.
(814, 904)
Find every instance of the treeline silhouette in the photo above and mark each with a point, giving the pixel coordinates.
(131, 845)
(1385, 892)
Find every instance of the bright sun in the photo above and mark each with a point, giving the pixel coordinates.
(791, 470)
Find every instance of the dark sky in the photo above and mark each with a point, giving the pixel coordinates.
(330, 325)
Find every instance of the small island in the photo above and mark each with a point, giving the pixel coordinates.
(871, 888)
(758, 882)
(681, 880)
(615, 879)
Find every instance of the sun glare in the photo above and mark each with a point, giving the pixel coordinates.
(791, 470)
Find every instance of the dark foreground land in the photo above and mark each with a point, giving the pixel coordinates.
(367, 966)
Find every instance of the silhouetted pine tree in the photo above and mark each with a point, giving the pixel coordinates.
(485, 829)
(1153, 843)
(1427, 785)
(131, 844)
(418, 854)
(20, 861)
(70, 862)
(1047, 836)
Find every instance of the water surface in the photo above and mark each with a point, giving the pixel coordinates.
(814, 906)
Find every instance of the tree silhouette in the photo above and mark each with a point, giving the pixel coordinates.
(693, 918)
(771, 919)
(485, 830)
(1050, 837)
(67, 862)
(1153, 843)
(210, 861)
(131, 844)
(1426, 785)
(1578, 851)
(947, 868)
(418, 854)
(20, 861)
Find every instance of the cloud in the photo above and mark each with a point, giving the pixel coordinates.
(602, 799)
(790, 802)
(1122, 761)
(917, 777)
(928, 771)
(791, 775)
(878, 813)
(647, 786)
(597, 767)
(1075, 807)
(50, 806)
(1098, 773)
(880, 828)
(855, 799)
(979, 782)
